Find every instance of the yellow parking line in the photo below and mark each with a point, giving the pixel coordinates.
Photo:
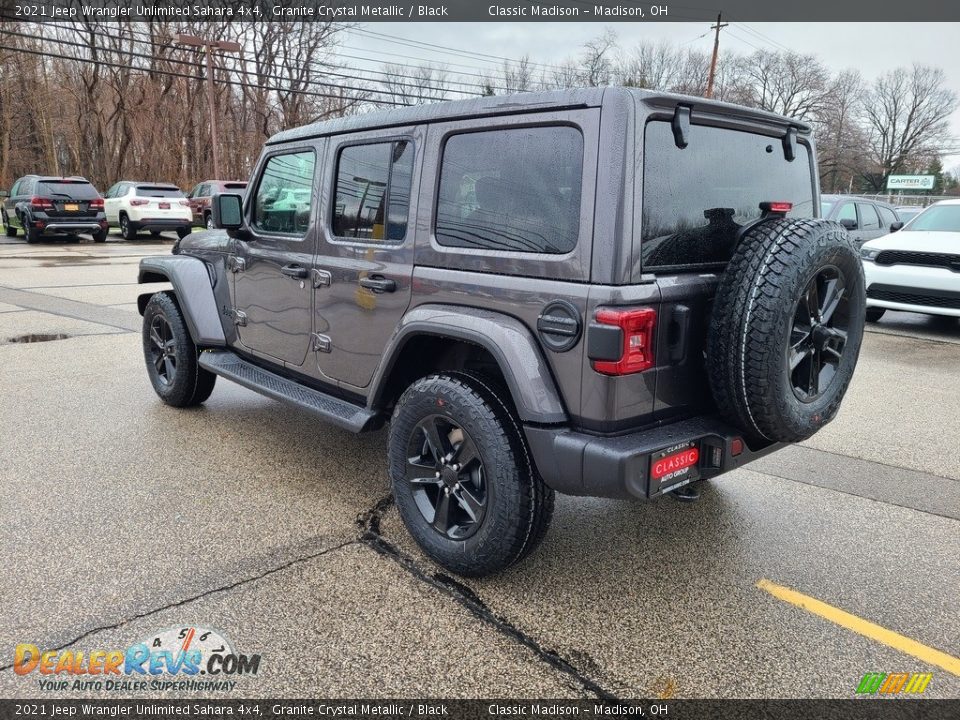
(866, 628)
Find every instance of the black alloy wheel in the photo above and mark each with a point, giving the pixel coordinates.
(163, 350)
(447, 477)
(818, 337)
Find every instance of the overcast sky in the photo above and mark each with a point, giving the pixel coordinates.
(871, 48)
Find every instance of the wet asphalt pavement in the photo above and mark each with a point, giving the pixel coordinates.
(122, 517)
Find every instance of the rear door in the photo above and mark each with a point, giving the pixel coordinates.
(272, 289)
(870, 225)
(364, 260)
(695, 200)
(112, 200)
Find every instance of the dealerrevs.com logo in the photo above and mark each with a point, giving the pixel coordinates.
(185, 658)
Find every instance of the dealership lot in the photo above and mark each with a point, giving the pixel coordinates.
(123, 517)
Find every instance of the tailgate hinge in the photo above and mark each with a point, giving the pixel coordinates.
(236, 264)
(321, 343)
(238, 316)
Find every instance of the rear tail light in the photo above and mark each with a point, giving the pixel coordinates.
(136, 202)
(41, 203)
(185, 203)
(637, 329)
(96, 204)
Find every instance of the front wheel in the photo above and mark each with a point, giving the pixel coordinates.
(171, 356)
(461, 475)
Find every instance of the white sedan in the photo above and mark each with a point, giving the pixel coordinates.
(916, 269)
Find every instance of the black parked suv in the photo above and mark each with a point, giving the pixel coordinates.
(602, 292)
(43, 206)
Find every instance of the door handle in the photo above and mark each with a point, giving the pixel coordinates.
(378, 283)
(295, 271)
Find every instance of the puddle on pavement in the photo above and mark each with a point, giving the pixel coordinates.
(37, 337)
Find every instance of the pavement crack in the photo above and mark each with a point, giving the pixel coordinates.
(199, 596)
(369, 524)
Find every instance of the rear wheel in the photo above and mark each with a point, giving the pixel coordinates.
(875, 313)
(171, 356)
(786, 328)
(155, 233)
(127, 229)
(208, 221)
(183, 232)
(462, 477)
(31, 234)
(100, 235)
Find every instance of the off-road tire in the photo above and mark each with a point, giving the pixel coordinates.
(875, 313)
(128, 231)
(518, 504)
(750, 333)
(191, 384)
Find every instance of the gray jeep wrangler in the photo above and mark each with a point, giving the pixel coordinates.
(601, 292)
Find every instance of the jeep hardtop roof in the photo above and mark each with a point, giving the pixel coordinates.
(528, 102)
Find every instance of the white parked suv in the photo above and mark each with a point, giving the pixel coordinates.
(916, 269)
(135, 206)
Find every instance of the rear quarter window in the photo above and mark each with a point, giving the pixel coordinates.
(515, 189)
(696, 199)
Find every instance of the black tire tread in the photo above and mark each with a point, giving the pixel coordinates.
(748, 312)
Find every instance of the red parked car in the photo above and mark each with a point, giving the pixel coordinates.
(199, 198)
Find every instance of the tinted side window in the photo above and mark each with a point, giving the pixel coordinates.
(697, 198)
(868, 217)
(515, 189)
(887, 216)
(14, 191)
(285, 194)
(847, 212)
(372, 191)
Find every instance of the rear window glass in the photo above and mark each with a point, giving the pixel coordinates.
(151, 191)
(695, 199)
(73, 190)
(514, 189)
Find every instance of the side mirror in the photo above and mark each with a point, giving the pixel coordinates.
(849, 224)
(895, 226)
(226, 210)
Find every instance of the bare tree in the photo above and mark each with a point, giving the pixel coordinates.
(787, 83)
(840, 136)
(426, 83)
(648, 65)
(596, 60)
(906, 113)
(518, 76)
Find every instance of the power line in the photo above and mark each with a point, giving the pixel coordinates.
(172, 73)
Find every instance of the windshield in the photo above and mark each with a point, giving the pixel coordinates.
(67, 189)
(154, 191)
(937, 218)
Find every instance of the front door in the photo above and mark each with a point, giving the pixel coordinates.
(365, 257)
(271, 279)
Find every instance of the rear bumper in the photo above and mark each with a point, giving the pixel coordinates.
(161, 223)
(575, 463)
(56, 226)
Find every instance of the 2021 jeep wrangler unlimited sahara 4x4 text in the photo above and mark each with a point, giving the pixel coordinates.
(602, 292)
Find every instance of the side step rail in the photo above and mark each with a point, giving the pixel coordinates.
(332, 409)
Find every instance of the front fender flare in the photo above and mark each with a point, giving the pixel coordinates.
(191, 284)
(507, 339)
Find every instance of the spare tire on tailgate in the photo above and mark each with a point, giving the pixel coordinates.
(786, 328)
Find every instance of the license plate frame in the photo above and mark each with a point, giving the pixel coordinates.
(676, 465)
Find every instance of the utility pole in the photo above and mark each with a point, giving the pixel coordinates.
(209, 46)
(713, 60)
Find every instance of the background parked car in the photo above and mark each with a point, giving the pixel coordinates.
(864, 219)
(42, 206)
(908, 212)
(918, 268)
(200, 196)
(134, 206)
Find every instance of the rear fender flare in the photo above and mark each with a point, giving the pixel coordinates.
(507, 339)
(194, 292)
